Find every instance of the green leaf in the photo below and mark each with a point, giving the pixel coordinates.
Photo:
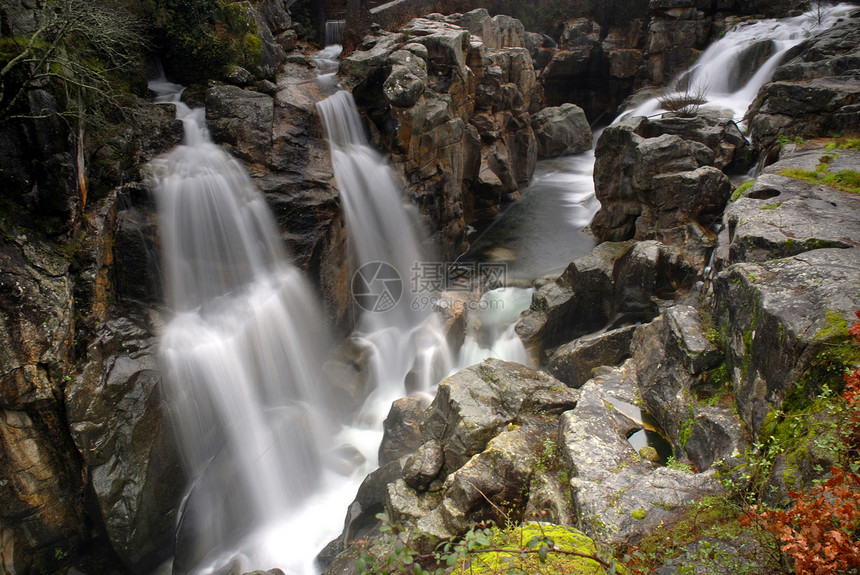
(543, 551)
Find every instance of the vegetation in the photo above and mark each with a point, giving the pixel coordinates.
(529, 549)
(686, 102)
(740, 190)
(82, 48)
(199, 39)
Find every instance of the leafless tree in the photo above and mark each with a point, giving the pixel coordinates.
(78, 44)
(820, 9)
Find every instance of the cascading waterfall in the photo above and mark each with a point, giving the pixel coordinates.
(721, 74)
(241, 355)
(241, 359)
(406, 343)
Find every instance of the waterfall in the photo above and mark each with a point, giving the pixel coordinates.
(334, 32)
(383, 235)
(241, 359)
(725, 76)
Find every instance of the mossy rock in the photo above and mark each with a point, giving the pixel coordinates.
(564, 538)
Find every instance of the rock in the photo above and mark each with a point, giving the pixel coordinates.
(675, 35)
(238, 76)
(573, 362)
(561, 131)
(781, 216)
(616, 284)
(125, 438)
(401, 432)
(671, 355)
(37, 167)
(616, 492)
(41, 480)
(472, 406)
(488, 431)
(715, 435)
(649, 454)
(424, 465)
(403, 88)
(241, 120)
(813, 92)
(782, 321)
(655, 180)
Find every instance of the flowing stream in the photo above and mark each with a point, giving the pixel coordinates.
(273, 468)
(728, 74)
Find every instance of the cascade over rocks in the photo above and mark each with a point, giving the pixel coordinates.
(815, 91)
(281, 142)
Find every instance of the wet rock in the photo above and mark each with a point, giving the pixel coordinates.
(618, 283)
(403, 88)
(424, 465)
(241, 120)
(615, 491)
(561, 131)
(573, 362)
(401, 431)
(778, 316)
(781, 216)
(119, 426)
(814, 91)
(671, 355)
(41, 480)
(641, 166)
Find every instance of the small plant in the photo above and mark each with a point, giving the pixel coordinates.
(673, 463)
(687, 102)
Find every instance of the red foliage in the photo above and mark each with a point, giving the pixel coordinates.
(820, 532)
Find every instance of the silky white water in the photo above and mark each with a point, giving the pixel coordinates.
(241, 358)
(719, 72)
(407, 349)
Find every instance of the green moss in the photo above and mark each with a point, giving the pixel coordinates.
(844, 180)
(740, 190)
(771, 206)
(844, 144)
(639, 514)
(565, 538)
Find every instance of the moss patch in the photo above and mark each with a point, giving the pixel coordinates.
(565, 538)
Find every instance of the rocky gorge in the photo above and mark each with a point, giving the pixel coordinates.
(710, 312)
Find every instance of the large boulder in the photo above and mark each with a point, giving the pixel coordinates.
(561, 131)
(133, 462)
(814, 92)
(784, 324)
(616, 492)
(617, 283)
(781, 216)
(487, 443)
(662, 179)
